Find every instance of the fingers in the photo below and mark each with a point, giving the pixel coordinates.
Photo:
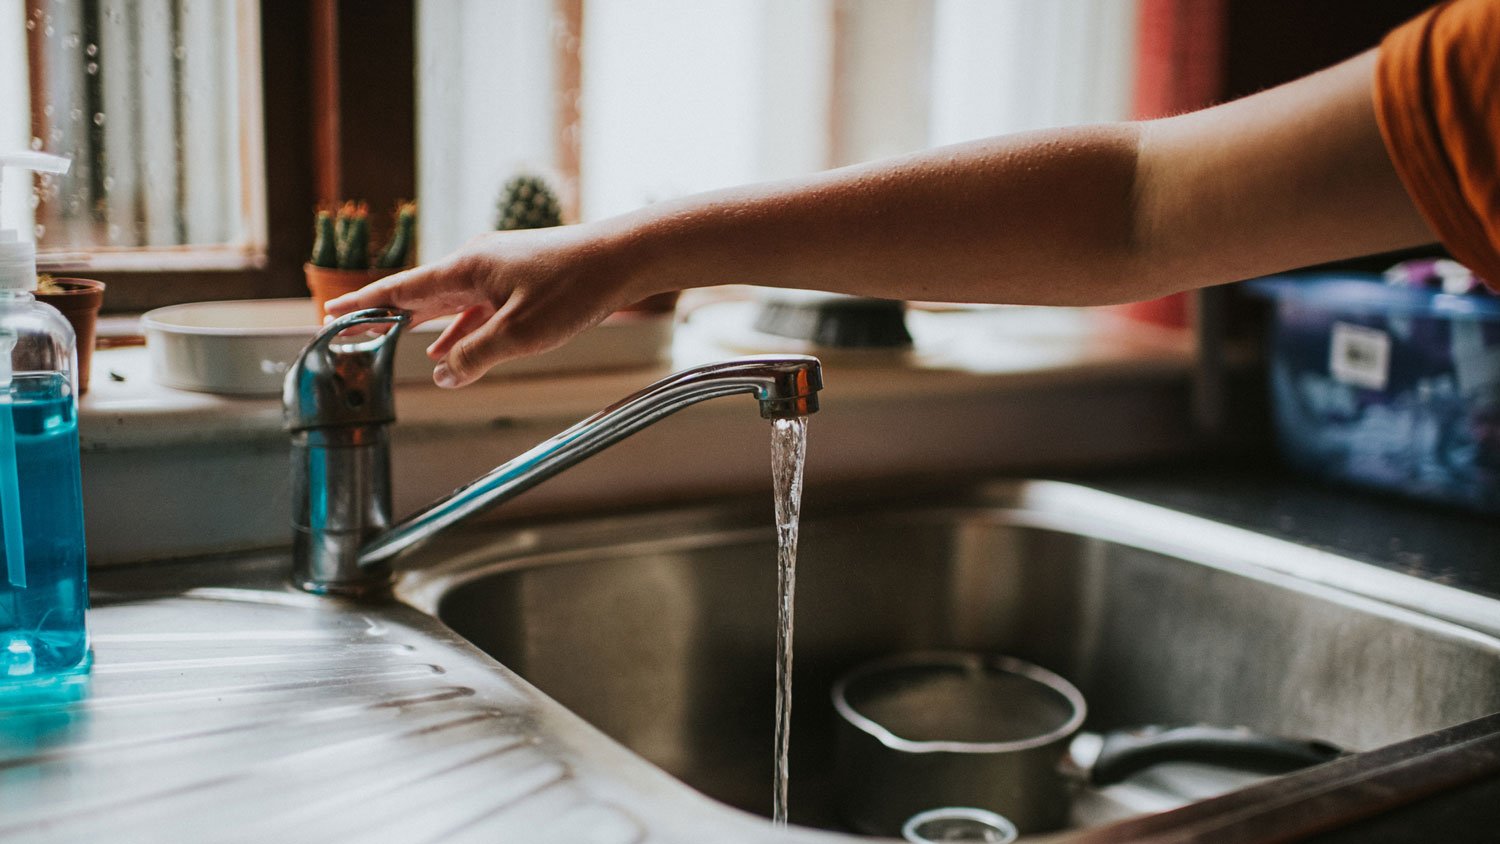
(523, 326)
(470, 319)
(471, 355)
(382, 293)
(518, 295)
(428, 291)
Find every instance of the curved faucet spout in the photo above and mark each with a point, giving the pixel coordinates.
(784, 385)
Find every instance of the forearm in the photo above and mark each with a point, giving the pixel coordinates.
(1292, 176)
(1043, 217)
(1080, 216)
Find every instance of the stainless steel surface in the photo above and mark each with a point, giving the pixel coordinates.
(253, 713)
(658, 629)
(224, 707)
(1410, 542)
(349, 502)
(337, 402)
(785, 386)
(923, 730)
(345, 381)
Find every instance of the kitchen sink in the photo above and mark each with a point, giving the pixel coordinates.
(658, 627)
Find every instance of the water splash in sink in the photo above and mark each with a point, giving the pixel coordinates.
(788, 451)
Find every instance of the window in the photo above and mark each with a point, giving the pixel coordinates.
(676, 98)
(489, 106)
(157, 103)
(204, 133)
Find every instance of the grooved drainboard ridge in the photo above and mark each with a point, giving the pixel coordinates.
(170, 658)
(245, 773)
(285, 720)
(282, 714)
(215, 697)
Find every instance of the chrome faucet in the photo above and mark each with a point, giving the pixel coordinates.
(338, 405)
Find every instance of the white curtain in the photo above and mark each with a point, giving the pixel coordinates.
(677, 98)
(485, 100)
(15, 113)
(686, 97)
(145, 97)
(1012, 65)
(680, 97)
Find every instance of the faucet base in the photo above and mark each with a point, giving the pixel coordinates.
(375, 589)
(330, 568)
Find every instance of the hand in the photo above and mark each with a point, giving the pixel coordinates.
(516, 293)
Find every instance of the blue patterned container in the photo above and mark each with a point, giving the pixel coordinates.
(1388, 387)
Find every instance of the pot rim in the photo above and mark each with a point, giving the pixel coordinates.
(965, 660)
(161, 319)
(83, 287)
(164, 320)
(313, 269)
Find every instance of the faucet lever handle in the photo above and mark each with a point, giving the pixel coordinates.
(338, 381)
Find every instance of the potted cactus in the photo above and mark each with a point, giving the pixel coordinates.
(342, 259)
(528, 202)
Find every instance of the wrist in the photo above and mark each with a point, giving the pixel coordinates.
(633, 254)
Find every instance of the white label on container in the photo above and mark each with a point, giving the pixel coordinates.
(1360, 356)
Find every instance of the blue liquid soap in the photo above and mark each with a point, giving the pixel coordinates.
(42, 629)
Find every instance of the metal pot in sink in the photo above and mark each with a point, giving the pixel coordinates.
(928, 730)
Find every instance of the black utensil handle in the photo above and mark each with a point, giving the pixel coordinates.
(1125, 752)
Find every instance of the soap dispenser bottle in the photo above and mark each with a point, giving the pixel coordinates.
(43, 592)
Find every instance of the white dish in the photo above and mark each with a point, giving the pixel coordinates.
(245, 347)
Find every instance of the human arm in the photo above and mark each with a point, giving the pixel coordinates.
(1078, 216)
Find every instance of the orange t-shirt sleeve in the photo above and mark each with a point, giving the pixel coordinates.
(1437, 97)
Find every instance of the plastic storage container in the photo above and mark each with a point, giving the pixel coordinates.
(1387, 387)
(43, 589)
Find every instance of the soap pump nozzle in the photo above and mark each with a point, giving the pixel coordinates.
(17, 256)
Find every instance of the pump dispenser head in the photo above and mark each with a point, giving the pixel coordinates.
(17, 256)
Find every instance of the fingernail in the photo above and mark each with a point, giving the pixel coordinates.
(443, 376)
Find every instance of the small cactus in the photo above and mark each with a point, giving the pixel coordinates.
(342, 240)
(354, 244)
(325, 241)
(527, 202)
(397, 251)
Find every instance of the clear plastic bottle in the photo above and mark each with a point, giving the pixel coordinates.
(43, 587)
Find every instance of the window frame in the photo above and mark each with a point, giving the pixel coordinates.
(348, 67)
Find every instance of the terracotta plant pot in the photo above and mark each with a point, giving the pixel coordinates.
(326, 283)
(79, 300)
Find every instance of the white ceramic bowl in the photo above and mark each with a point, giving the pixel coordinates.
(245, 347)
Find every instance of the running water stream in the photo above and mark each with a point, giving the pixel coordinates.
(788, 450)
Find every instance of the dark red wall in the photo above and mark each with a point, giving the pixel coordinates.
(1268, 42)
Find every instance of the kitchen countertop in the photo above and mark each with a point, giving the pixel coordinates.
(223, 706)
(1440, 544)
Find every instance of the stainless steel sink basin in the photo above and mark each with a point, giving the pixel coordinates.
(658, 627)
